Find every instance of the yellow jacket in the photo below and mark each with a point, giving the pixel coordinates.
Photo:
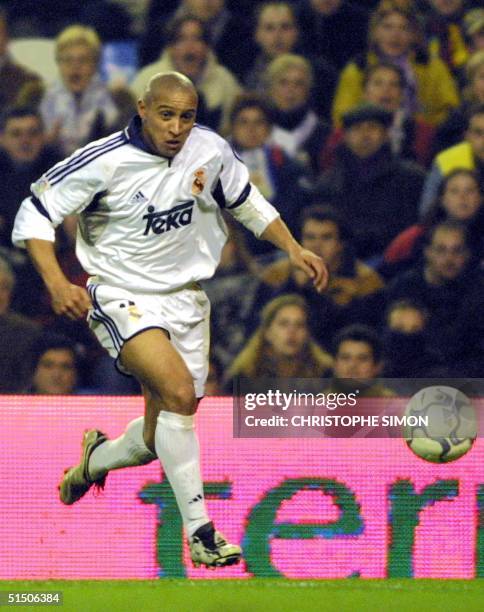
(436, 89)
(458, 156)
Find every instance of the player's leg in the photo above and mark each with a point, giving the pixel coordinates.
(137, 444)
(169, 419)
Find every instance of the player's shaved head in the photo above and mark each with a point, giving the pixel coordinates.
(168, 110)
(167, 81)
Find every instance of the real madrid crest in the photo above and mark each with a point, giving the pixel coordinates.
(199, 181)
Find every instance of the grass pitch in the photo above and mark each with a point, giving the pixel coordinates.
(264, 595)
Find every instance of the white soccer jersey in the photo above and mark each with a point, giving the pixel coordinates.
(146, 222)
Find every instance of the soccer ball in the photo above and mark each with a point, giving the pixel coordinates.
(450, 428)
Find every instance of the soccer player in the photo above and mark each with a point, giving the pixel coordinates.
(149, 201)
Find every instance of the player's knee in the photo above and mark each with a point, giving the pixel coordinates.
(182, 400)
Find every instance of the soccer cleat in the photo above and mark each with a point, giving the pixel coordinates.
(209, 548)
(76, 481)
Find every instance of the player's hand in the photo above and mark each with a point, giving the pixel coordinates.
(70, 300)
(312, 265)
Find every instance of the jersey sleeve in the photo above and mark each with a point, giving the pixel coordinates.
(241, 198)
(66, 189)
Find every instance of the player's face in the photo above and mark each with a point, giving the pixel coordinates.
(446, 257)
(322, 238)
(168, 119)
(354, 359)
(365, 138)
(291, 90)
(23, 138)
(276, 31)
(77, 66)
(288, 332)
(475, 135)
(384, 89)
(250, 128)
(462, 197)
(393, 35)
(55, 373)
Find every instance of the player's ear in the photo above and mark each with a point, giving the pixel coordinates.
(141, 106)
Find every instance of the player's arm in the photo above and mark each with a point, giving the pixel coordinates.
(67, 299)
(64, 190)
(248, 206)
(278, 233)
(264, 221)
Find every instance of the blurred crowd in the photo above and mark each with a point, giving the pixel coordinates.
(361, 121)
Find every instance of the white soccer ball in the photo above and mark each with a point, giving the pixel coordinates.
(451, 424)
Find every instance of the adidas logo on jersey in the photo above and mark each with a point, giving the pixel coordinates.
(139, 198)
(166, 220)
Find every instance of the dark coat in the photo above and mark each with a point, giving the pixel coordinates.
(16, 181)
(455, 329)
(378, 197)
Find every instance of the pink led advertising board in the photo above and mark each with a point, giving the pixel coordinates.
(302, 508)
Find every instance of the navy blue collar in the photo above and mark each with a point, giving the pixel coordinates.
(134, 133)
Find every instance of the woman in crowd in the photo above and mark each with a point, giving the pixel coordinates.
(282, 345)
(78, 108)
(394, 36)
(297, 129)
(460, 199)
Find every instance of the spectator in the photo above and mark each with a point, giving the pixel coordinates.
(353, 289)
(410, 138)
(276, 34)
(445, 33)
(358, 361)
(297, 129)
(55, 366)
(460, 199)
(453, 294)
(430, 91)
(231, 51)
(368, 181)
(232, 293)
(18, 85)
(188, 51)
(453, 130)
(24, 156)
(405, 350)
(18, 337)
(279, 178)
(78, 107)
(326, 23)
(282, 345)
(467, 154)
(213, 385)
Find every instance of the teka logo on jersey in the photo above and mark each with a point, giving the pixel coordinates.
(166, 220)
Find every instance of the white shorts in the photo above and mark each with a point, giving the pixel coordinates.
(119, 315)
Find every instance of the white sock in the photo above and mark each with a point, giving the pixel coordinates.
(126, 451)
(177, 448)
